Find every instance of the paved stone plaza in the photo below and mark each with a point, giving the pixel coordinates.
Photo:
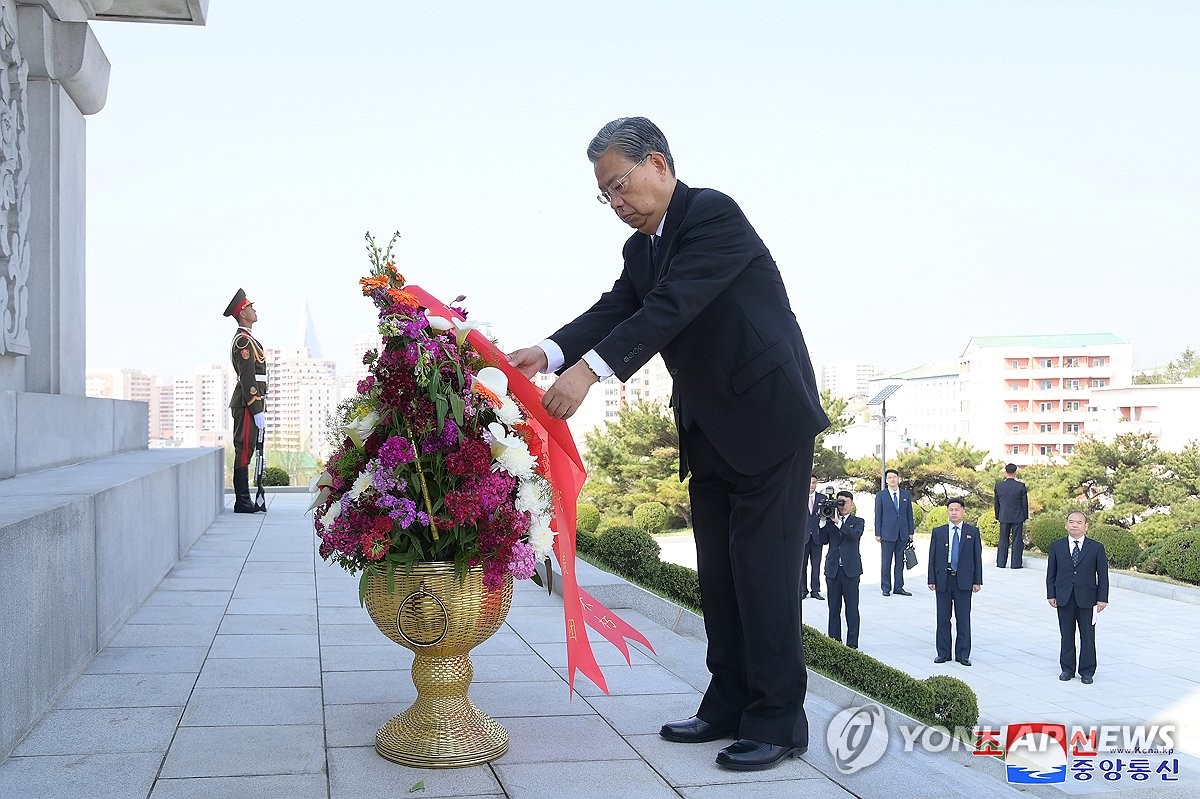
(253, 672)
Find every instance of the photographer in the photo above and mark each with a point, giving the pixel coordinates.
(842, 531)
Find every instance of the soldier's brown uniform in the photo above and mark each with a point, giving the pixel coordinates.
(249, 398)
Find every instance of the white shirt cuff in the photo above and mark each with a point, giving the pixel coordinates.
(554, 356)
(597, 365)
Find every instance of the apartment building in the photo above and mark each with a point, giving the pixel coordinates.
(1167, 412)
(849, 380)
(928, 405)
(1029, 399)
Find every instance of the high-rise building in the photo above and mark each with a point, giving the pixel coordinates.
(1028, 399)
(848, 380)
(200, 405)
(301, 393)
(122, 384)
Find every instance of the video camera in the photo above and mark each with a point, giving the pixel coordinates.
(828, 505)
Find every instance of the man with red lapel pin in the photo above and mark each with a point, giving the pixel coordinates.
(1077, 582)
(248, 403)
(955, 573)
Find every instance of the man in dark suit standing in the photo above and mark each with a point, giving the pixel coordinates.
(699, 286)
(811, 559)
(1076, 582)
(955, 573)
(1012, 509)
(893, 531)
(843, 568)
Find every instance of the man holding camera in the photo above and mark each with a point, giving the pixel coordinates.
(810, 560)
(842, 531)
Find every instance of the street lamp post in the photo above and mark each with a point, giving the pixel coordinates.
(881, 399)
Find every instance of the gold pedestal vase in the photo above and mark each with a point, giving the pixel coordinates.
(440, 619)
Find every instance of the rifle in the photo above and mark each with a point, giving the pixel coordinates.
(260, 498)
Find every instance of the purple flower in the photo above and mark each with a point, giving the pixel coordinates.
(395, 451)
(366, 384)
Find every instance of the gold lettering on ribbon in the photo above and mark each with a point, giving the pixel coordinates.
(585, 605)
(571, 634)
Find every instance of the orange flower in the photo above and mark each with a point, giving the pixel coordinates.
(399, 277)
(401, 297)
(369, 284)
(487, 394)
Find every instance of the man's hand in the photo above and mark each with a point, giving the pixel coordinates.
(260, 420)
(877, 538)
(1101, 606)
(528, 361)
(568, 391)
(933, 586)
(975, 589)
(1053, 602)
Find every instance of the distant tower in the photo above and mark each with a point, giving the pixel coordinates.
(306, 334)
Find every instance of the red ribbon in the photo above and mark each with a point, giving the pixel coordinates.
(566, 475)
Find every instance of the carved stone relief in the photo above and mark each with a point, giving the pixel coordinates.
(15, 203)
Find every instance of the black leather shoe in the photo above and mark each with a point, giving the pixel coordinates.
(1017, 567)
(804, 595)
(887, 593)
(817, 595)
(745, 754)
(901, 592)
(1065, 676)
(965, 661)
(940, 659)
(1086, 680)
(694, 731)
(999, 565)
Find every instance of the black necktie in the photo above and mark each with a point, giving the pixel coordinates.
(654, 248)
(1076, 554)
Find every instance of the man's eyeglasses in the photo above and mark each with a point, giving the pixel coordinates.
(605, 197)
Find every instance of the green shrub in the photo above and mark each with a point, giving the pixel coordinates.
(936, 517)
(954, 703)
(1180, 556)
(1120, 545)
(1046, 528)
(632, 551)
(274, 476)
(1155, 528)
(989, 529)
(679, 583)
(587, 517)
(585, 543)
(918, 516)
(651, 517)
(1149, 561)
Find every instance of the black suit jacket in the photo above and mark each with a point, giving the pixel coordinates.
(1088, 582)
(814, 521)
(890, 525)
(1012, 501)
(843, 545)
(970, 557)
(714, 304)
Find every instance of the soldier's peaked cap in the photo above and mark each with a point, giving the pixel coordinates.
(237, 304)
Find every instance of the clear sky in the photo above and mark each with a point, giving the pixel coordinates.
(923, 172)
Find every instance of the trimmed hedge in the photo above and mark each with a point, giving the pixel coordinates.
(918, 515)
(936, 517)
(680, 583)
(938, 700)
(275, 476)
(1120, 545)
(632, 551)
(1154, 529)
(651, 517)
(989, 529)
(1046, 528)
(587, 517)
(585, 543)
(1179, 556)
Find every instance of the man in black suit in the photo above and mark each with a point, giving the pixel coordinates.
(1076, 582)
(894, 532)
(811, 559)
(699, 286)
(955, 573)
(843, 567)
(1012, 509)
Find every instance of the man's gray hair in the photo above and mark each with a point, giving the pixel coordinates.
(633, 137)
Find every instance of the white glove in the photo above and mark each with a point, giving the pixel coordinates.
(260, 420)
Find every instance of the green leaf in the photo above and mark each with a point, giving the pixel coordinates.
(362, 589)
(456, 408)
(417, 786)
(442, 406)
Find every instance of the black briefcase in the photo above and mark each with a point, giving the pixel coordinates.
(910, 557)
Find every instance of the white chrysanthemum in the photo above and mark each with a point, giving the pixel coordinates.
(360, 429)
(541, 537)
(334, 511)
(516, 460)
(533, 496)
(508, 412)
(362, 483)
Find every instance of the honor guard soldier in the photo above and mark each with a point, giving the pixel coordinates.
(248, 404)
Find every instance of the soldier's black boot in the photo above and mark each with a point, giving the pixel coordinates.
(241, 491)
